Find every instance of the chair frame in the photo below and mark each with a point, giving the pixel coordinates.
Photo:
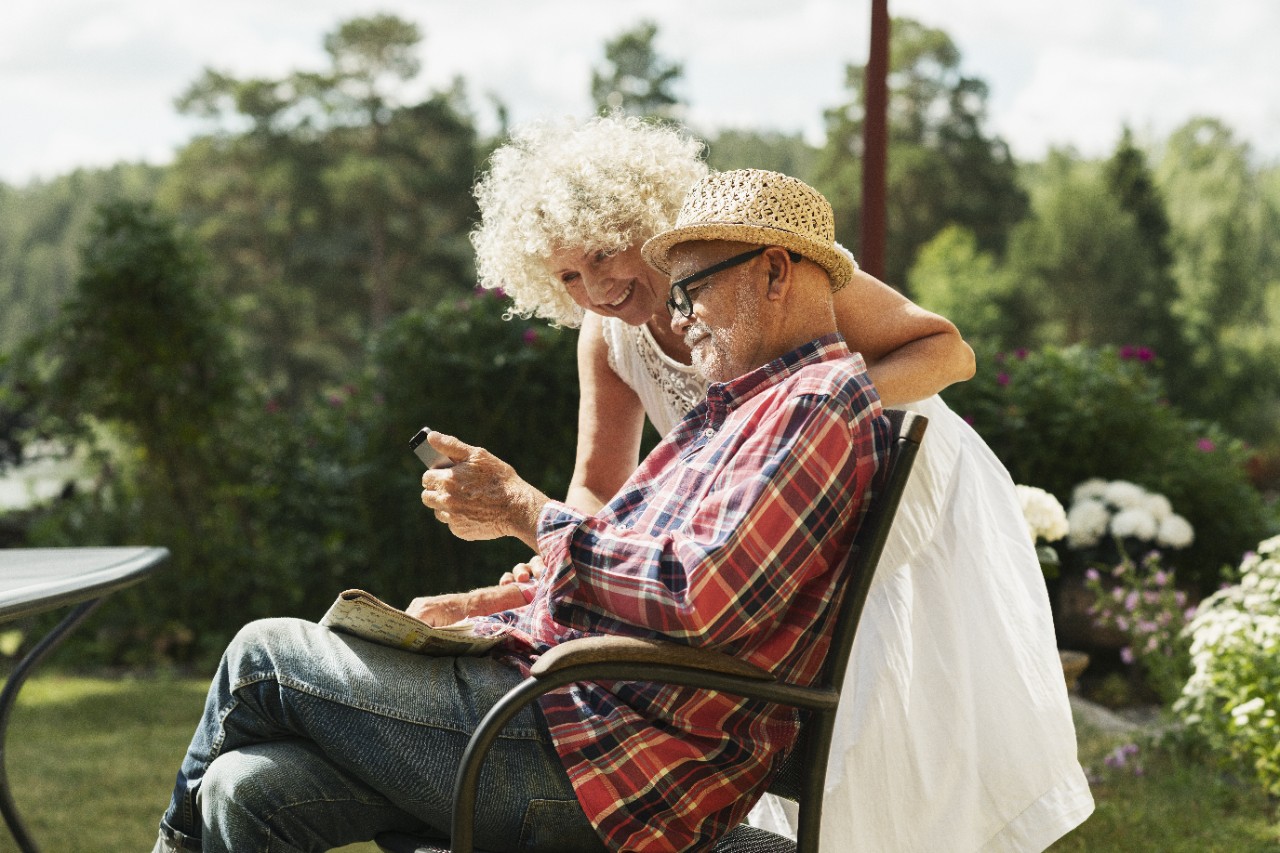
(612, 658)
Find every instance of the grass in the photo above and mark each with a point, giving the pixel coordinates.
(92, 763)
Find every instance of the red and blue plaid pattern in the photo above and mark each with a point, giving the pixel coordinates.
(732, 534)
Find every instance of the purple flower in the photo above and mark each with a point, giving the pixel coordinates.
(1002, 378)
(1020, 353)
(1161, 577)
(969, 419)
(530, 337)
(1128, 351)
(1131, 602)
(1126, 655)
(1092, 574)
(1206, 445)
(1145, 354)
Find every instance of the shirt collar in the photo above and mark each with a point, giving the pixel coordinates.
(735, 392)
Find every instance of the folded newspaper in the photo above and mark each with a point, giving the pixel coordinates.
(364, 615)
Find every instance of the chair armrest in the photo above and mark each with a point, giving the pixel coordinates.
(615, 649)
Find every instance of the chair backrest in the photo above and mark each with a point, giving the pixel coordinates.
(802, 777)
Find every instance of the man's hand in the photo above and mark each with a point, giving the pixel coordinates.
(437, 610)
(524, 572)
(480, 496)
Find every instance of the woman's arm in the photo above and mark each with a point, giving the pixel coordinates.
(610, 423)
(911, 353)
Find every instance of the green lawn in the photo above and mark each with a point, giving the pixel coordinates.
(101, 753)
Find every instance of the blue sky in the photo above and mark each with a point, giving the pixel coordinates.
(91, 82)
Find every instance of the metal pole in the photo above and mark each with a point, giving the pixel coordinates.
(875, 144)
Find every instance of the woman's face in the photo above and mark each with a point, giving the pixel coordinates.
(620, 285)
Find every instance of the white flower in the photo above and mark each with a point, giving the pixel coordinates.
(1134, 522)
(1125, 495)
(1175, 532)
(1158, 505)
(1269, 546)
(1046, 519)
(1244, 709)
(1094, 489)
(1087, 521)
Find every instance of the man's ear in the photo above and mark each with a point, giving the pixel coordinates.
(781, 272)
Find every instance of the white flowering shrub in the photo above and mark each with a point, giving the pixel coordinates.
(1045, 517)
(1124, 511)
(1232, 698)
(1046, 522)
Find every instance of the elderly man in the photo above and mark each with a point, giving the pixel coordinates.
(734, 533)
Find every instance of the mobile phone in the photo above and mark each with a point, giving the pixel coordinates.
(430, 457)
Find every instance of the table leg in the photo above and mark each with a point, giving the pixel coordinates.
(7, 699)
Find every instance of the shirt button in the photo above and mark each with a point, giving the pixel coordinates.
(708, 432)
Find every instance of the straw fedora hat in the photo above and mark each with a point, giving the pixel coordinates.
(759, 207)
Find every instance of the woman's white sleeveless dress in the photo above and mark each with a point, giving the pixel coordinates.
(955, 731)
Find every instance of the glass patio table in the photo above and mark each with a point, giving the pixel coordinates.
(33, 580)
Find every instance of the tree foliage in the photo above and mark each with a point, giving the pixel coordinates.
(329, 204)
(635, 79)
(944, 167)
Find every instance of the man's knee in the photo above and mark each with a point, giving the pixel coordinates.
(268, 644)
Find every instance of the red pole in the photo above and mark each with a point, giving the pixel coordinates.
(875, 144)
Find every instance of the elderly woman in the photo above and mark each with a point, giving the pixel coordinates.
(958, 735)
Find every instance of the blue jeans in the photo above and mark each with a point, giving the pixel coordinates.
(312, 740)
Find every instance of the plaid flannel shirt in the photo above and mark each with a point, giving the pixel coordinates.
(732, 535)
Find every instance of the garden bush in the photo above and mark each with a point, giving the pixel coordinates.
(297, 502)
(1231, 703)
(1057, 417)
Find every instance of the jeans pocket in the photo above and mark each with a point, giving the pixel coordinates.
(557, 825)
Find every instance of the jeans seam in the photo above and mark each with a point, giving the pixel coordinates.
(508, 733)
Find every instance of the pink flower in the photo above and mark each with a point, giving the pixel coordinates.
(1145, 354)
(1131, 602)
(969, 419)
(1161, 577)
(1128, 351)
(530, 337)
(1021, 353)
(1092, 574)
(1206, 445)
(1126, 655)
(1002, 378)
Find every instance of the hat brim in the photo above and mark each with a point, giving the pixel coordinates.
(656, 249)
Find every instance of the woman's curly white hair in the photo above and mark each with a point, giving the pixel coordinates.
(606, 183)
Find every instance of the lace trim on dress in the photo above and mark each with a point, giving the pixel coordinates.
(681, 385)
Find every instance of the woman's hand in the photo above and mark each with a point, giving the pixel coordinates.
(437, 610)
(524, 572)
(480, 496)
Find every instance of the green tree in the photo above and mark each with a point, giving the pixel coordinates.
(1155, 290)
(329, 204)
(1225, 243)
(634, 78)
(788, 153)
(42, 226)
(944, 168)
(953, 277)
(1082, 257)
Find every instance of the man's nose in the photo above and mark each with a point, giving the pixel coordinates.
(680, 323)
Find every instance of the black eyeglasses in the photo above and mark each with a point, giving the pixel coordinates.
(680, 299)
